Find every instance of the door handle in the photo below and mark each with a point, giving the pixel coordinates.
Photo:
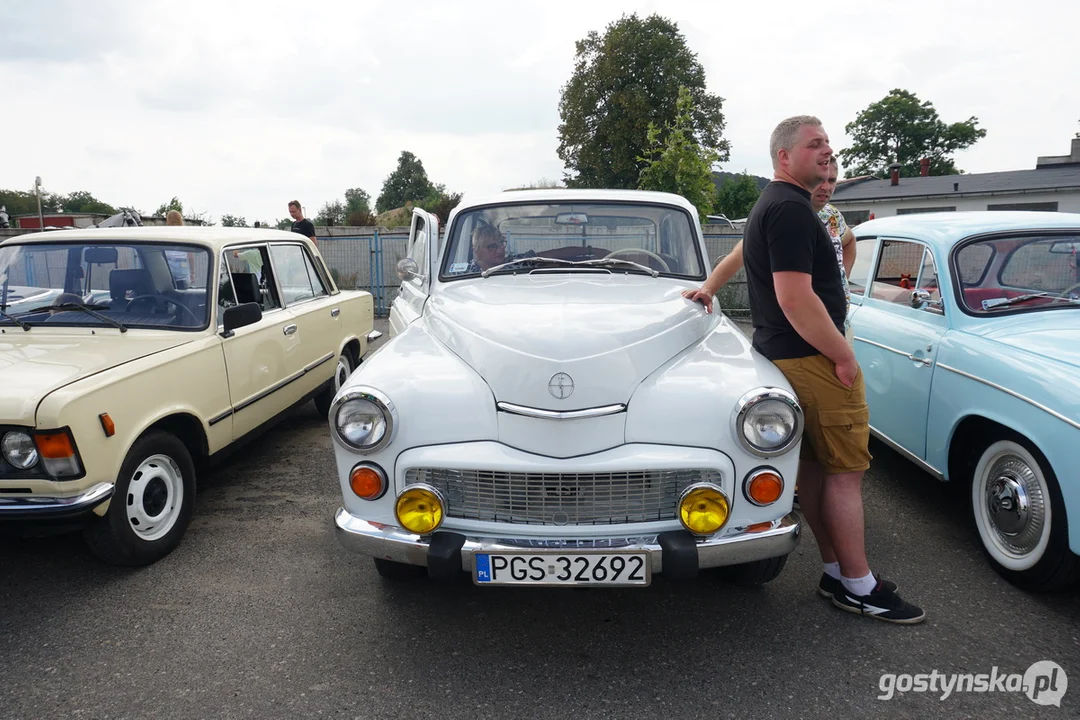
(290, 330)
(923, 361)
(335, 312)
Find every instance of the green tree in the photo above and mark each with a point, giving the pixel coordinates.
(901, 128)
(81, 201)
(408, 182)
(624, 81)
(737, 195)
(173, 204)
(331, 213)
(284, 224)
(439, 202)
(233, 221)
(676, 163)
(358, 208)
(19, 202)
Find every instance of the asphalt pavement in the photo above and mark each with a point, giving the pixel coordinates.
(260, 613)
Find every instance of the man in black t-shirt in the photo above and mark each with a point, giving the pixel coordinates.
(300, 224)
(798, 307)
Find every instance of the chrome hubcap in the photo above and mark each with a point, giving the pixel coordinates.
(1015, 504)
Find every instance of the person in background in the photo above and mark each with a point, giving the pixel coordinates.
(301, 224)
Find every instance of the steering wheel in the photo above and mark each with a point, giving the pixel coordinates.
(167, 301)
(642, 251)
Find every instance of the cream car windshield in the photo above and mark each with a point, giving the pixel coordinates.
(103, 284)
(1009, 274)
(573, 237)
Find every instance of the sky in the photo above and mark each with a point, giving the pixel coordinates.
(238, 107)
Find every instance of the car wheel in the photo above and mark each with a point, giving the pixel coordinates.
(399, 571)
(342, 371)
(151, 504)
(1020, 516)
(758, 572)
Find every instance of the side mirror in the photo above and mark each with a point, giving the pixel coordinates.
(921, 299)
(239, 316)
(407, 269)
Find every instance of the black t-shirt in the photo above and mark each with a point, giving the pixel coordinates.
(305, 227)
(784, 234)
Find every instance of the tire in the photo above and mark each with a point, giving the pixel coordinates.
(399, 571)
(1019, 513)
(342, 371)
(758, 572)
(151, 505)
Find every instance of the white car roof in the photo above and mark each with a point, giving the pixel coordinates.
(556, 195)
(214, 238)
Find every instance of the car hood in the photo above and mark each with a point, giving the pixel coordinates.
(1054, 334)
(34, 364)
(606, 332)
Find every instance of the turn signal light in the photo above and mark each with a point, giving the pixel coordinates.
(420, 509)
(764, 487)
(54, 445)
(367, 481)
(703, 509)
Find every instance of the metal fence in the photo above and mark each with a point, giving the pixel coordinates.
(369, 262)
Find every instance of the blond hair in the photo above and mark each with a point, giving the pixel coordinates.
(483, 233)
(786, 133)
(173, 217)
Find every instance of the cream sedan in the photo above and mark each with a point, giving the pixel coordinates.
(163, 348)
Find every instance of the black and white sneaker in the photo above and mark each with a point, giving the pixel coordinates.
(829, 586)
(881, 604)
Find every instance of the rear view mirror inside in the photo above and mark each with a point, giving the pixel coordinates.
(100, 255)
(572, 218)
(1069, 247)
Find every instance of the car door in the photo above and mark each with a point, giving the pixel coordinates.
(896, 344)
(259, 358)
(415, 270)
(315, 313)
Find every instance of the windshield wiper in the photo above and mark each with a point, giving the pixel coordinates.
(600, 262)
(17, 321)
(531, 260)
(89, 309)
(1006, 302)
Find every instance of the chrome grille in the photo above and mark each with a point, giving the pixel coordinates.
(561, 498)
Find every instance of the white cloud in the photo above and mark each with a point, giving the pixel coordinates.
(237, 107)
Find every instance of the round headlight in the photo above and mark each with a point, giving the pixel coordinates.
(703, 509)
(768, 422)
(363, 420)
(19, 450)
(420, 509)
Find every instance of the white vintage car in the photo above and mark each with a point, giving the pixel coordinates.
(161, 348)
(551, 411)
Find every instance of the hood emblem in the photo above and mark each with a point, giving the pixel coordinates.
(561, 386)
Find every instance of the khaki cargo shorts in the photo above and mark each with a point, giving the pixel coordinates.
(837, 432)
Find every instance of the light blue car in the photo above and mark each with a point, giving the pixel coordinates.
(967, 328)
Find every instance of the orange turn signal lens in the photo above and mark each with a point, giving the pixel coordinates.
(759, 527)
(54, 445)
(367, 482)
(107, 424)
(764, 487)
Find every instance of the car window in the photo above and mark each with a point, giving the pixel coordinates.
(897, 271)
(860, 270)
(928, 277)
(252, 277)
(973, 261)
(1041, 268)
(296, 274)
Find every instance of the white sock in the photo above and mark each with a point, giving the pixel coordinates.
(860, 586)
(833, 570)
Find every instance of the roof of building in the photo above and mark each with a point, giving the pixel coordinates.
(1010, 181)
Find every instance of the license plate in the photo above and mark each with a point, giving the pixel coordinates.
(578, 568)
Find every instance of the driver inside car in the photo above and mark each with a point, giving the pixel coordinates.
(489, 249)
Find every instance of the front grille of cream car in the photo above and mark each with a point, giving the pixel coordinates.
(561, 498)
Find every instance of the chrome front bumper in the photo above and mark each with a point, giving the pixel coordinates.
(398, 545)
(37, 507)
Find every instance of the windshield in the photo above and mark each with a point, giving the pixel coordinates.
(612, 236)
(1017, 274)
(130, 283)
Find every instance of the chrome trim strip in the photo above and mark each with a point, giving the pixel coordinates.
(883, 347)
(223, 416)
(1016, 395)
(30, 505)
(907, 453)
(595, 412)
(320, 361)
(399, 545)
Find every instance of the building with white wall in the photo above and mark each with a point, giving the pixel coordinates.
(1053, 186)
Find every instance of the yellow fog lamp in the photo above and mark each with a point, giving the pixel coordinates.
(703, 509)
(420, 509)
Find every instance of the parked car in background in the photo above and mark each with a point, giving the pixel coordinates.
(160, 349)
(720, 219)
(552, 411)
(967, 328)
